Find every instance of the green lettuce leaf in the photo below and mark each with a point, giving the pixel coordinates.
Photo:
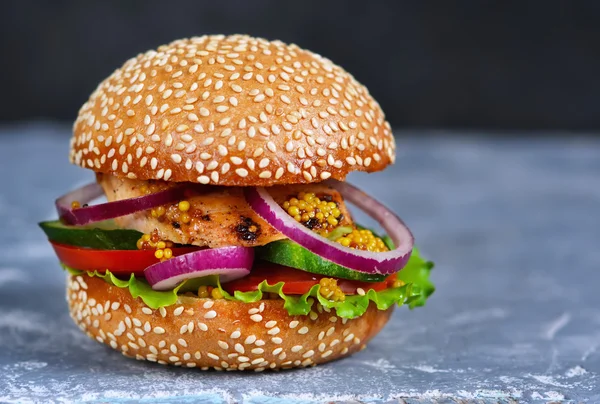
(414, 293)
(137, 287)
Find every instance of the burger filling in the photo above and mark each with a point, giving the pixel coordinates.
(220, 216)
(297, 243)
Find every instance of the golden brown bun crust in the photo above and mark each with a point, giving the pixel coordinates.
(231, 110)
(218, 334)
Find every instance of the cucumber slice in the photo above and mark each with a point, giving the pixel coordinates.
(101, 235)
(290, 254)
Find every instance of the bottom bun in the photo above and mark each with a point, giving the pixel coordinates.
(216, 333)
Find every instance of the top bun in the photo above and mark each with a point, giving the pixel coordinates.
(231, 110)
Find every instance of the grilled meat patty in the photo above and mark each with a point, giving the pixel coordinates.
(216, 217)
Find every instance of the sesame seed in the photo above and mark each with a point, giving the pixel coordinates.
(303, 330)
(210, 314)
(223, 344)
(236, 160)
(236, 334)
(212, 356)
(178, 311)
(256, 318)
(308, 354)
(250, 340)
(242, 172)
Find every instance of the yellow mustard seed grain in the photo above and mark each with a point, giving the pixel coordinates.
(309, 197)
(184, 206)
(159, 254)
(307, 206)
(345, 241)
(363, 240)
(330, 290)
(203, 291)
(216, 293)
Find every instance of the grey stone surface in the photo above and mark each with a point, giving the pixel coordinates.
(513, 226)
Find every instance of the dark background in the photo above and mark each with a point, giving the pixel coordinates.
(479, 64)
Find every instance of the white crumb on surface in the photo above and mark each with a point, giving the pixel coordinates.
(549, 380)
(575, 371)
(430, 369)
(548, 395)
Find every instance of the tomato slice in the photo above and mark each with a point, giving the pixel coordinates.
(119, 262)
(297, 282)
(126, 262)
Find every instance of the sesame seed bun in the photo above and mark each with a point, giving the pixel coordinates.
(234, 111)
(219, 334)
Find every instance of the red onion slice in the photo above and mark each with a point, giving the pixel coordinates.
(109, 210)
(228, 262)
(383, 263)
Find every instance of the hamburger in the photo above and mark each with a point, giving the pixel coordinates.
(226, 241)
